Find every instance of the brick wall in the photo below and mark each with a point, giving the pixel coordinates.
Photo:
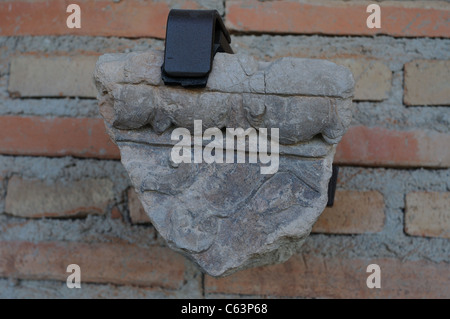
(65, 198)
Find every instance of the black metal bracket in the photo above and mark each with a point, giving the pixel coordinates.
(332, 186)
(193, 37)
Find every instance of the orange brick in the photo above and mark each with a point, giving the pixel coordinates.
(402, 19)
(336, 277)
(36, 198)
(131, 18)
(372, 78)
(39, 136)
(378, 146)
(427, 82)
(428, 214)
(100, 263)
(137, 212)
(353, 212)
(116, 214)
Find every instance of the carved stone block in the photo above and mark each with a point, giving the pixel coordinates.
(228, 216)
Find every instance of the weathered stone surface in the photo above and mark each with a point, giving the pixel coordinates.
(228, 216)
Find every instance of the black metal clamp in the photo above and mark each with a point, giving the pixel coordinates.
(193, 37)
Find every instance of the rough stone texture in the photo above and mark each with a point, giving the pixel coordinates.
(35, 198)
(353, 212)
(428, 214)
(57, 76)
(227, 217)
(427, 82)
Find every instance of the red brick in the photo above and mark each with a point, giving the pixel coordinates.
(137, 212)
(427, 82)
(100, 263)
(38, 136)
(378, 146)
(37, 198)
(86, 137)
(402, 19)
(353, 212)
(428, 214)
(336, 277)
(131, 18)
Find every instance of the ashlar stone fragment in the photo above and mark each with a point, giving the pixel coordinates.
(228, 216)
